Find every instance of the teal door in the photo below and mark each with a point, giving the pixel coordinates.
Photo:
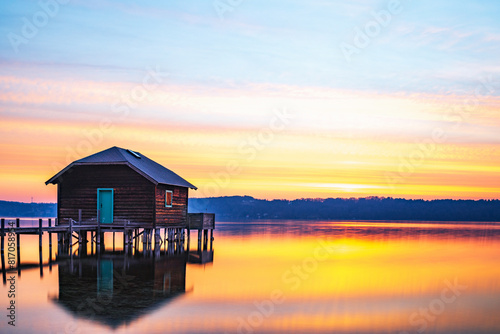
(105, 205)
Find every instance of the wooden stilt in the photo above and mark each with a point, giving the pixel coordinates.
(3, 234)
(4, 271)
(129, 234)
(157, 242)
(102, 247)
(84, 243)
(39, 247)
(98, 235)
(165, 242)
(205, 239)
(70, 236)
(80, 242)
(136, 239)
(125, 241)
(92, 242)
(200, 232)
(18, 242)
(59, 243)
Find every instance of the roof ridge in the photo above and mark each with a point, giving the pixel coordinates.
(149, 168)
(120, 150)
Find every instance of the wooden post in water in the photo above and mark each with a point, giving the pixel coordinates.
(169, 240)
(39, 246)
(181, 240)
(59, 244)
(91, 242)
(211, 238)
(130, 234)
(3, 234)
(18, 241)
(136, 239)
(172, 247)
(70, 236)
(4, 271)
(165, 242)
(150, 241)
(125, 241)
(157, 241)
(102, 242)
(84, 242)
(144, 240)
(148, 238)
(98, 236)
(80, 242)
(50, 234)
(71, 266)
(157, 236)
(200, 233)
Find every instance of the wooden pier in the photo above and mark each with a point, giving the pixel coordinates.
(136, 238)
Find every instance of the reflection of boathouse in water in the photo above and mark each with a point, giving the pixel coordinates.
(115, 289)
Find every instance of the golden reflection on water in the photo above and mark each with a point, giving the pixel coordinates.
(336, 277)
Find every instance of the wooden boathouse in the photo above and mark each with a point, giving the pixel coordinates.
(122, 190)
(118, 185)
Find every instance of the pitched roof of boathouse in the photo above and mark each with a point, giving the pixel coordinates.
(148, 168)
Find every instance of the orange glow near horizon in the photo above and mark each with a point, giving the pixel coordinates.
(368, 148)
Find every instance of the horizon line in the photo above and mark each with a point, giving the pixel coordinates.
(309, 198)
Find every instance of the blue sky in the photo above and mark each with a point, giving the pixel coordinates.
(429, 46)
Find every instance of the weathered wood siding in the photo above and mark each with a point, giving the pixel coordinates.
(201, 221)
(176, 216)
(133, 193)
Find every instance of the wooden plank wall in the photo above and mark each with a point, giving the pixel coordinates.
(133, 194)
(177, 214)
(201, 221)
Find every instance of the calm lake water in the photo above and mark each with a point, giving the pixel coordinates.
(272, 277)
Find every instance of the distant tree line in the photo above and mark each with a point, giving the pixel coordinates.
(370, 208)
(20, 210)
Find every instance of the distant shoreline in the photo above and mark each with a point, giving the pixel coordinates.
(246, 208)
(243, 208)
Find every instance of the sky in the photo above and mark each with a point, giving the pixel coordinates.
(267, 98)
